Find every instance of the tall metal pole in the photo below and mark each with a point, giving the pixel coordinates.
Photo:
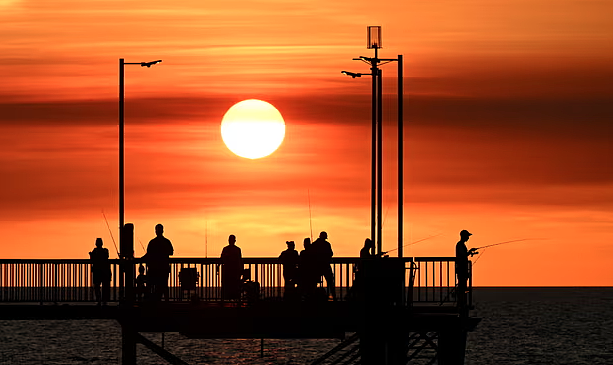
(379, 161)
(400, 155)
(373, 181)
(121, 149)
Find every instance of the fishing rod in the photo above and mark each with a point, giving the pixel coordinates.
(477, 259)
(414, 242)
(501, 243)
(481, 254)
(111, 232)
(505, 242)
(142, 246)
(310, 219)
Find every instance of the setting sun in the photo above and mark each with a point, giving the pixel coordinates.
(252, 129)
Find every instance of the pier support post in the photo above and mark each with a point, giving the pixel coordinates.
(128, 344)
(383, 333)
(383, 344)
(451, 346)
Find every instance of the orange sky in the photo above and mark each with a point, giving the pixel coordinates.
(508, 128)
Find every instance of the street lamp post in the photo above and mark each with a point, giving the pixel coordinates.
(376, 216)
(126, 231)
(121, 142)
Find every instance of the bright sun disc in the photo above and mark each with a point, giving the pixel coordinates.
(252, 129)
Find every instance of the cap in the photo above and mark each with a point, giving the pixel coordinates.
(465, 233)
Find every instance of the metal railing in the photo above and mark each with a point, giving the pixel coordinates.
(51, 281)
(435, 281)
(428, 280)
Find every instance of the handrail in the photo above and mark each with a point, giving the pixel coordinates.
(70, 280)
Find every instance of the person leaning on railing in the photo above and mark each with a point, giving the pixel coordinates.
(159, 250)
(231, 270)
(289, 259)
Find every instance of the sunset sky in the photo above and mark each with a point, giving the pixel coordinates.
(508, 128)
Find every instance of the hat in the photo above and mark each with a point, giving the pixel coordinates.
(465, 233)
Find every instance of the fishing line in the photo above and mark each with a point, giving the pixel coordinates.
(111, 232)
(481, 254)
(414, 242)
(385, 217)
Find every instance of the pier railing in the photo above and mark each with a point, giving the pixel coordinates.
(428, 280)
(435, 281)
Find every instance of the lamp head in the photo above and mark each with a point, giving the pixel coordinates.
(352, 74)
(149, 64)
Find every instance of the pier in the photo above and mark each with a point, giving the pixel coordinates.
(406, 308)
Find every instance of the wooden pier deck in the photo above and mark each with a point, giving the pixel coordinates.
(418, 305)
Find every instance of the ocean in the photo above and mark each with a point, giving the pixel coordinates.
(519, 326)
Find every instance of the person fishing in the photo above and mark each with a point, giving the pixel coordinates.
(367, 251)
(101, 272)
(307, 273)
(461, 266)
(322, 252)
(356, 292)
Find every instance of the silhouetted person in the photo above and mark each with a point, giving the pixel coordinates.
(141, 283)
(307, 246)
(101, 272)
(307, 274)
(289, 259)
(158, 264)
(231, 270)
(461, 266)
(322, 251)
(367, 251)
(356, 291)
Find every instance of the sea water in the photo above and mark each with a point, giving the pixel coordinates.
(542, 326)
(519, 326)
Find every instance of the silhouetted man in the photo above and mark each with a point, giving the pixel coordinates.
(461, 266)
(307, 281)
(101, 272)
(322, 252)
(158, 264)
(232, 270)
(289, 259)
